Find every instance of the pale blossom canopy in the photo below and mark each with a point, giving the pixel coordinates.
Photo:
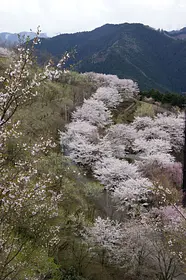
(93, 111)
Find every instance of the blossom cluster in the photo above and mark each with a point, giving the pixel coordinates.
(122, 157)
(28, 200)
(92, 140)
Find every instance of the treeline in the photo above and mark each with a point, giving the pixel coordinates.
(174, 99)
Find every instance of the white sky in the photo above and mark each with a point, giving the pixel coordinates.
(63, 16)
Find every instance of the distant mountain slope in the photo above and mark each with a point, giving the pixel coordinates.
(134, 51)
(178, 34)
(8, 39)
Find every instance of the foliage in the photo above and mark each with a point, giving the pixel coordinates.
(71, 274)
(145, 109)
(174, 99)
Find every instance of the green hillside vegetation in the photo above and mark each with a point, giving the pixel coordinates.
(40, 118)
(173, 99)
(133, 51)
(53, 107)
(43, 117)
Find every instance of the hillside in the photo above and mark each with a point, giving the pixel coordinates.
(134, 51)
(90, 177)
(178, 34)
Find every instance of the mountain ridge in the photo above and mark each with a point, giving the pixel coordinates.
(152, 58)
(178, 34)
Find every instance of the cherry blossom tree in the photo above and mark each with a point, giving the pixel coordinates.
(95, 112)
(147, 164)
(133, 246)
(163, 126)
(83, 128)
(105, 239)
(81, 150)
(19, 84)
(110, 96)
(29, 204)
(174, 125)
(28, 201)
(121, 137)
(157, 139)
(150, 147)
(111, 171)
(126, 87)
(153, 132)
(140, 123)
(131, 190)
(80, 142)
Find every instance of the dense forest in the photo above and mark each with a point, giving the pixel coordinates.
(90, 177)
(152, 58)
(168, 98)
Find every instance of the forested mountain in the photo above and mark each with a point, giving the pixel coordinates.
(134, 51)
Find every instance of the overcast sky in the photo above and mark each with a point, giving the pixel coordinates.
(62, 16)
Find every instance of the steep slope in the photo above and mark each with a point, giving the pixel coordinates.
(178, 34)
(134, 51)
